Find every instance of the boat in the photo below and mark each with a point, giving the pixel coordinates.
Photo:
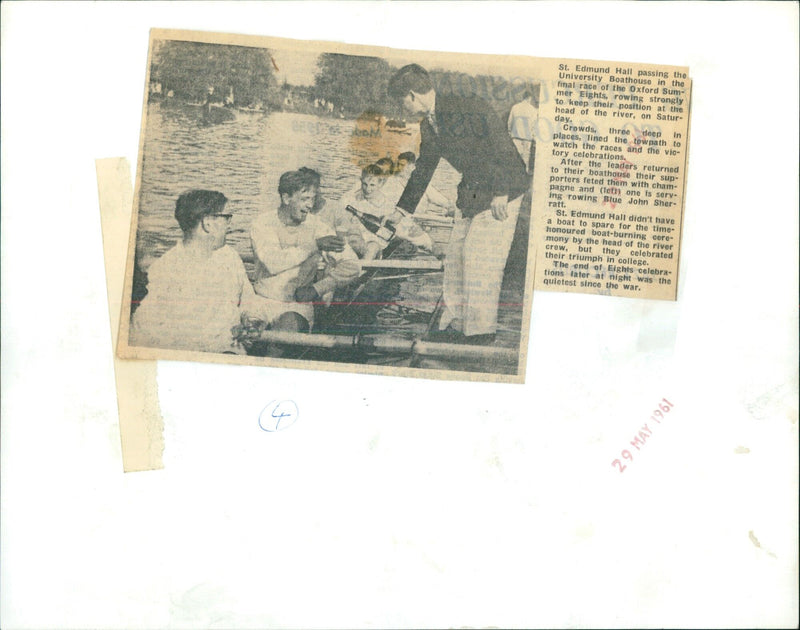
(253, 109)
(213, 114)
(397, 126)
(388, 317)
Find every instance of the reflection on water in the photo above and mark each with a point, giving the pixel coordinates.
(244, 158)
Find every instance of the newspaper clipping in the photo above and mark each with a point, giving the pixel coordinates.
(609, 189)
(324, 206)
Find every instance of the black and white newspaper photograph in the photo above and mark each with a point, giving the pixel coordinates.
(334, 207)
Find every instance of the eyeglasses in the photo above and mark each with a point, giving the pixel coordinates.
(226, 216)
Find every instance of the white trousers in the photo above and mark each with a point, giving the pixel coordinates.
(473, 269)
(524, 150)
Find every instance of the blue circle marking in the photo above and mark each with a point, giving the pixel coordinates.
(278, 415)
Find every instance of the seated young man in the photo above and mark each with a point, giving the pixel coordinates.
(289, 244)
(198, 290)
(316, 183)
(369, 199)
(335, 217)
(404, 159)
(386, 165)
(432, 199)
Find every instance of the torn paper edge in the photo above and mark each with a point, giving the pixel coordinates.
(141, 426)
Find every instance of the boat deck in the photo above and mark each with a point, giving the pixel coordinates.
(405, 304)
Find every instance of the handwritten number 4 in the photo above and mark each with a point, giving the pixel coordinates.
(280, 417)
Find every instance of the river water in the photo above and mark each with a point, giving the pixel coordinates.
(244, 158)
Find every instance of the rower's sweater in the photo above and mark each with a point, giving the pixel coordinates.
(192, 302)
(286, 255)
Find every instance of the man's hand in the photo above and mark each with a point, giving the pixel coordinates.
(344, 272)
(356, 241)
(396, 216)
(498, 207)
(330, 244)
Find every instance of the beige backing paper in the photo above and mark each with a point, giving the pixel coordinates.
(140, 424)
(611, 146)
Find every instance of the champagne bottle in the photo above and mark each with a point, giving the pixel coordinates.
(385, 231)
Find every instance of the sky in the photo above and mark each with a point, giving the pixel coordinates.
(298, 67)
(295, 67)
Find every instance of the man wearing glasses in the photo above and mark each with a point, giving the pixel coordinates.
(197, 291)
(465, 131)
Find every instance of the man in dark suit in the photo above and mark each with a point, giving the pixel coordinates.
(466, 132)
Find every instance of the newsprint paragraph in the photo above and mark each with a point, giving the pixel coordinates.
(610, 178)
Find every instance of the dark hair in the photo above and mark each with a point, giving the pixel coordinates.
(314, 175)
(292, 181)
(408, 156)
(385, 162)
(193, 205)
(526, 94)
(372, 169)
(410, 78)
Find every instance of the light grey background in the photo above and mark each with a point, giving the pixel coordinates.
(405, 502)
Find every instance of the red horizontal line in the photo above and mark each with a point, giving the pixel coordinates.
(401, 304)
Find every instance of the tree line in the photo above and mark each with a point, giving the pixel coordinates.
(358, 85)
(355, 84)
(189, 69)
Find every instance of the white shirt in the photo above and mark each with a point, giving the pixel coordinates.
(522, 120)
(286, 255)
(192, 301)
(395, 185)
(379, 206)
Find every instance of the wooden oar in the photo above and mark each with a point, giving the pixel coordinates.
(428, 265)
(433, 219)
(401, 276)
(384, 343)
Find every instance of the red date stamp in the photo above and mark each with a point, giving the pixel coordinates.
(640, 439)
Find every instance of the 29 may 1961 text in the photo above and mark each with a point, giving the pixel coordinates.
(639, 440)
